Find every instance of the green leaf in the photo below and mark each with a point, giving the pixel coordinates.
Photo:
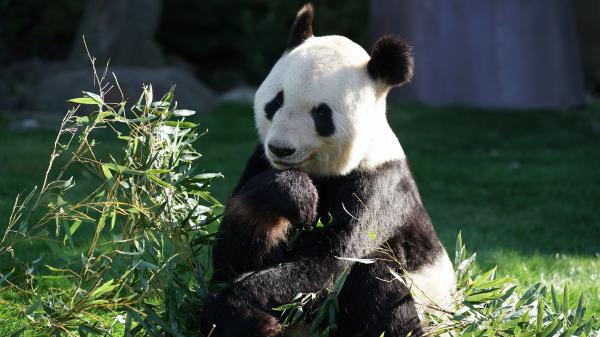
(190, 155)
(85, 329)
(458, 249)
(83, 100)
(285, 307)
(565, 300)
(4, 277)
(550, 328)
(483, 296)
(33, 307)
(554, 299)
(80, 120)
(113, 219)
(69, 231)
(540, 315)
(160, 104)
(158, 171)
(530, 295)
(106, 287)
(357, 260)
(104, 114)
(106, 172)
(183, 112)
(485, 277)
(160, 182)
(146, 264)
(206, 196)
(207, 176)
(93, 96)
(497, 283)
(579, 310)
(121, 169)
(137, 120)
(329, 307)
(57, 270)
(180, 124)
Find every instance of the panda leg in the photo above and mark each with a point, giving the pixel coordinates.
(370, 304)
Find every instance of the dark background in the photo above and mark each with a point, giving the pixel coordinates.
(232, 43)
(227, 43)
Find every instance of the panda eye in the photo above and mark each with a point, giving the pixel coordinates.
(275, 104)
(321, 111)
(322, 117)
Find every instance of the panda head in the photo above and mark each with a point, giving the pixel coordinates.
(322, 106)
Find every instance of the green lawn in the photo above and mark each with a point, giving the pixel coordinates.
(522, 186)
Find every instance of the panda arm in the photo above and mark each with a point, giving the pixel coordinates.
(249, 302)
(254, 229)
(235, 237)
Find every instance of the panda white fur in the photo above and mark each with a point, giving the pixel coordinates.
(326, 150)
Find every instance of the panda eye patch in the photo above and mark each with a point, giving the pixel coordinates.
(275, 104)
(322, 117)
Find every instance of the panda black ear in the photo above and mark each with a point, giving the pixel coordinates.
(391, 61)
(302, 27)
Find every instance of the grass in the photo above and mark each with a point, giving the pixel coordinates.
(523, 186)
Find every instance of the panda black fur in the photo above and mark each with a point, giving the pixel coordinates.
(326, 151)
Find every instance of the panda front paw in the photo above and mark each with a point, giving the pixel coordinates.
(226, 316)
(290, 194)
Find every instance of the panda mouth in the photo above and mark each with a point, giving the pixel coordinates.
(287, 164)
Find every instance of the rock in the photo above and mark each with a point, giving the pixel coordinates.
(243, 94)
(24, 120)
(52, 93)
(119, 30)
(179, 62)
(17, 78)
(24, 124)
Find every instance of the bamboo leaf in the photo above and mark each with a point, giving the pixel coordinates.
(184, 112)
(33, 307)
(160, 182)
(180, 124)
(83, 100)
(4, 277)
(106, 287)
(565, 305)
(121, 169)
(357, 260)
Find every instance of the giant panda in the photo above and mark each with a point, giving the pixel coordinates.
(326, 152)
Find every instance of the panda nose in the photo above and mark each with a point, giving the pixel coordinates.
(281, 151)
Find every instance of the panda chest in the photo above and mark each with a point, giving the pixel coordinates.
(338, 198)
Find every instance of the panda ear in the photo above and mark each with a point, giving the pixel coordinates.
(302, 27)
(391, 61)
